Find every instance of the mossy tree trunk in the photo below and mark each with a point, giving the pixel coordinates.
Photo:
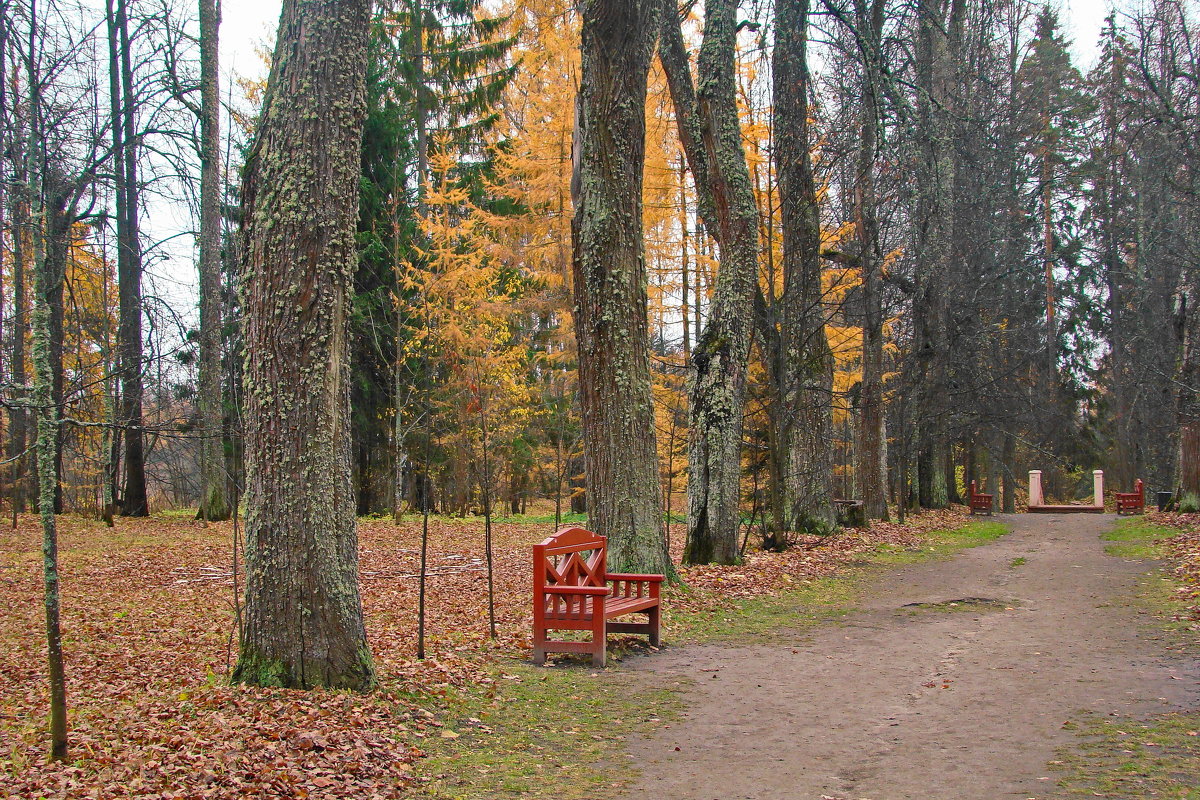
(303, 617)
(623, 498)
(214, 503)
(18, 256)
(47, 283)
(710, 130)
(804, 369)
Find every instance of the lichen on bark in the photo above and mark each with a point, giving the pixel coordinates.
(610, 280)
(303, 616)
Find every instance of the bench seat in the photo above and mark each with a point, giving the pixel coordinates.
(573, 591)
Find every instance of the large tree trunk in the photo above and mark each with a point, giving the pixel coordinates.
(710, 130)
(871, 462)
(214, 505)
(129, 259)
(940, 29)
(304, 624)
(610, 284)
(806, 361)
(1188, 399)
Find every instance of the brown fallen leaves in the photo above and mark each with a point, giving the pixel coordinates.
(148, 619)
(1184, 552)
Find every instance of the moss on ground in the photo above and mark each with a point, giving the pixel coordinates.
(1125, 757)
(543, 732)
(1135, 537)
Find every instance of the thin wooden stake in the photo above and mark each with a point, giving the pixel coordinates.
(424, 549)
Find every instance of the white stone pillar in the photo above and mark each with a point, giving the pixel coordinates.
(1098, 487)
(1035, 488)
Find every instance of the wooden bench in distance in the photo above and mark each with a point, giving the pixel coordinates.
(1133, 502)
(977, 501)
(573, 591)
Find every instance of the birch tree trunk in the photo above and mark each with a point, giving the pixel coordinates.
(609, 268)
(214, 505)
(304, 624)
(806, 364)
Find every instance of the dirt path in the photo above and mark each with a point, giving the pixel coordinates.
(925, 702)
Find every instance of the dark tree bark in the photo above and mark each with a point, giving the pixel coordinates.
(609, 268)
(871, 465)
(940, 26)
(304, 624)
(57, 218)
(129, 259)
(1188, 399)
(214, 505)
(804, 369)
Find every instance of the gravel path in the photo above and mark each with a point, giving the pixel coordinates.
(928, 701)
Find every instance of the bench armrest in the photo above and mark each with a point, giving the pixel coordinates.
(628, 576)
(596, 590)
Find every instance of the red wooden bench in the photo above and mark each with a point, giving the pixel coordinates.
(573, 591)
(1134, 502)
(977, 501)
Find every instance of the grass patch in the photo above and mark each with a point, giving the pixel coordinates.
(1019, 561)
(176, 513)
(813, 601)
(942, 544)
(816, 600)
(1123, 758)
(541, 519)
(542, 732)
(1135, 537)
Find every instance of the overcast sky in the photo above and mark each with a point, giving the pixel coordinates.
(250, 23)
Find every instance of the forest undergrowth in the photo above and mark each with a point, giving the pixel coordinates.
(149, 630)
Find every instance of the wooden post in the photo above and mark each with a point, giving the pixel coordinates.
(1035, 488)
(1098, 488)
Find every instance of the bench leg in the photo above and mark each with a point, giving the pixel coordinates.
(653, 615)
(599, 641)
(539, 646)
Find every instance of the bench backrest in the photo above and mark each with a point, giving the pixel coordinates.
(571, 557)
